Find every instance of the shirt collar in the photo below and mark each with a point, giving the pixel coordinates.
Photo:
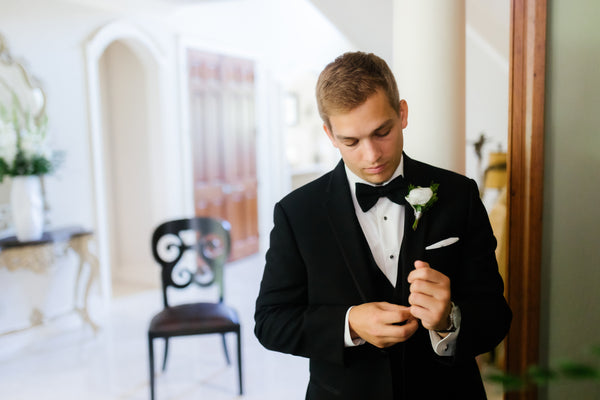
(353, 178)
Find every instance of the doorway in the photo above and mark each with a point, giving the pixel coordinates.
(127, 93)
(223, 139)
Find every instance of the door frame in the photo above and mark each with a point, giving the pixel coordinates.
(145, 48)
(525, 187)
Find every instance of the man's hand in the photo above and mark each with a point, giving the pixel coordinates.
(375, 323)
(429, 296)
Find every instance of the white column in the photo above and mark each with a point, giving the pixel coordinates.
(429, 65)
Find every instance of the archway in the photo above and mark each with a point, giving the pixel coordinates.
(124, 73)
(127, 126)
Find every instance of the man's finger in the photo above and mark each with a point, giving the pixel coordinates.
(396, 315)
(421, 271)
(426, 274)
(433, 290)
(393, 334)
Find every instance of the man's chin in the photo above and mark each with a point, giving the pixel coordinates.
(376, 179)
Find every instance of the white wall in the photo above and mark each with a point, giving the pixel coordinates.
(286, 36)
(486, 99)
(308, 149)
(368, 24)
(487, 51)
(128, 136)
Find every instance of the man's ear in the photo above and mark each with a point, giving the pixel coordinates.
(403, 112)
(330, 135)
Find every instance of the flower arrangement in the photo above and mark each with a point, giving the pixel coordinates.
(23, 147)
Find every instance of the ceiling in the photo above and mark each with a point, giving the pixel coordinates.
(369, 25)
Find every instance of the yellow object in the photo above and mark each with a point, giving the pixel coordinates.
(495, 174)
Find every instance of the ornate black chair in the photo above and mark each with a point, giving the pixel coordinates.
(192, 251)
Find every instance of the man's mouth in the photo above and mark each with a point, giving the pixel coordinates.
(375, 170)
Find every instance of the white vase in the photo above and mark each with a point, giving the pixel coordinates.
(27, 207)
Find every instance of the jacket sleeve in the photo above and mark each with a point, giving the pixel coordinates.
(285, 320)
(477, 287)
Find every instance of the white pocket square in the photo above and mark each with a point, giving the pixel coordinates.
(442, 243)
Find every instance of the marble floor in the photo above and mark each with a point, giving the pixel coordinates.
(65, 361)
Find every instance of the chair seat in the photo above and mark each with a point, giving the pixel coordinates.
(195, 318)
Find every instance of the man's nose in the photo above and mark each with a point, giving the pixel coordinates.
(372, 151)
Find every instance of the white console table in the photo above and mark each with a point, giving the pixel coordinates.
(39, 256)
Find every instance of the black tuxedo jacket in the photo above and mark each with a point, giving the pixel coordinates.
(316, 269)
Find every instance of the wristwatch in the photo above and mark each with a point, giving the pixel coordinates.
(451, 317)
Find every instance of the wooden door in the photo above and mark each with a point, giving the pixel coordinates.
(223, 133)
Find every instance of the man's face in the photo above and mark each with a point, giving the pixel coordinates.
(369, 137)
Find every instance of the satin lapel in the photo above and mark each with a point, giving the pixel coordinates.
(347, 232)
(413, 243)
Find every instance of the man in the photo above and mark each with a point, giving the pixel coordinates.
(386, 302)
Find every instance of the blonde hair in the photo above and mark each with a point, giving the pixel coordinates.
(350, 79)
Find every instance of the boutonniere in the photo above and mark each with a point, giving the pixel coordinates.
(420, 199)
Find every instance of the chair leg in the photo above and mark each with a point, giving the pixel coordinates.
(225, 349)
(164, 366)
(151, 356)
(239, 357)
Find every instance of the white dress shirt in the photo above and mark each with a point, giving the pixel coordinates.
(383, 227)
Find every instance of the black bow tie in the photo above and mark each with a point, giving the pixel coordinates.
(368, 195)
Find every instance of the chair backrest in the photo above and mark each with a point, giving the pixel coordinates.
(192, 251)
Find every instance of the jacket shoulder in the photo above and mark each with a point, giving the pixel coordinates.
(425, 174)
(309, 192)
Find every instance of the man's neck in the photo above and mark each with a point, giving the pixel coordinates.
(353, 178)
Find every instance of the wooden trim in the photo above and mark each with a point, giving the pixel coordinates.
(525, 169)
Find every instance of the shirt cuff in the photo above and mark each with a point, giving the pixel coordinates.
(446, 346)
(348, 342)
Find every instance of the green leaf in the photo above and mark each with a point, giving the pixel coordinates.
(595, 350)
(575, 370)
(434, 187)
(540, 375)
(509, 382)
(4, 170)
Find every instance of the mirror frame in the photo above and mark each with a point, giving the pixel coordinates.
(525, 171)
(31, 96)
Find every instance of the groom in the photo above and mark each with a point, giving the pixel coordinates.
(386, 302)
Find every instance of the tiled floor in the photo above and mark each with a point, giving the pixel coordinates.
(65, 361)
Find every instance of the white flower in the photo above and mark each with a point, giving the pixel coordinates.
(419, 196)
(420, 199)
(32, 144)
(24, 137)
(8, 142)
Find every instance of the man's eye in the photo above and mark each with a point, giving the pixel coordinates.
(382, 134)
(351, 143)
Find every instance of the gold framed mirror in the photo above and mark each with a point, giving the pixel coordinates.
(19, 92)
